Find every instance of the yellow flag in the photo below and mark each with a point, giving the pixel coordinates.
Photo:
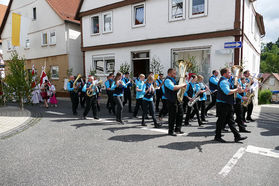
(16, 20)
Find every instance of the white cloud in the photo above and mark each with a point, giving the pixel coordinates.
(4, 2)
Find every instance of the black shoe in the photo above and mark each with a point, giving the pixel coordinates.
(75, 113)
(244, 131)
(225, 131)
(250, 119)
(82, 117)
(220, 140)
(204, 120)
(200, 123)
(239, 139)
(96, 118)
(135, 116)
(157, 110)
(172, 134)
(179, 132)
(245, 121)
(146, 117)
(187, 124)
(121, 122)
(157, 126)
(143, 124)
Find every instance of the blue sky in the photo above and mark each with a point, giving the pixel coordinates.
(268, 8)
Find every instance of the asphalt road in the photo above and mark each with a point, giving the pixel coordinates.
(63, 150)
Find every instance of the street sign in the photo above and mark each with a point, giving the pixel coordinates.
(237, 44)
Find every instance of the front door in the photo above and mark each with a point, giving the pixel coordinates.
(140, 61)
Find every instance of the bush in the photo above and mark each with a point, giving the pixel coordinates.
(265, 97)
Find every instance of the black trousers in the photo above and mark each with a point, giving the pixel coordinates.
(212, 104)
(128, 97)
(248, 110)
(75, 101)
(119, 107)
(201, 105)
(185, 103)
(148, 106)
(138, 105)
(110, 102)
(158, 98)
(164, 111)
(82, 99)
(225, 115)
(189, 115)
(239, 113)
(175, 116)
(91, 102)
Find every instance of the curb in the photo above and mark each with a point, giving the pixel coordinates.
(34, 118)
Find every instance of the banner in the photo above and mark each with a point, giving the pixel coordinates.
(16, 21)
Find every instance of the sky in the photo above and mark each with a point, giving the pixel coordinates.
(269, 10)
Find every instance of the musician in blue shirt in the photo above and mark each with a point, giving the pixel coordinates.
(118, 89)
(127, 91)
(90, 98)
(147, 103)
(139, 93)
(73, 94)
(249, 109)
(164, 111)
(159, 83)
(213, 81)
(191, 93)
(175, 108)
(203, 97)
(110, 102)
(225, 102)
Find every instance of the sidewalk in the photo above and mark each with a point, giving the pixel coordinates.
(12, 119)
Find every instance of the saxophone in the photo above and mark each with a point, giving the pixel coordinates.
(250, 95)
(183, 66)
(75, 83)
(194, 99)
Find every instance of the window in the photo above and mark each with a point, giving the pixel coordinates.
(176, 10)
(9, 45)
(272, 81)
(107, 22)
(104, 64)
(27, 43)
(34, 14)
(52, 38)
(55, 72)
(95, 20)
(138, 17)
(198, 8)
(44, 39)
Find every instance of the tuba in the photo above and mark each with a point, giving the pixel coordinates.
(236, 69)
(92, 90)
(183, 66)
(75, 83)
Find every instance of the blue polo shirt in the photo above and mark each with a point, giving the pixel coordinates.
(113, 86)
(201, 86)
(93, 87)
(139, 85)
(225, 87)
(69, 86)
(194, 89)
(144, 87)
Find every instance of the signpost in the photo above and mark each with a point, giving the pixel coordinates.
(237, 44)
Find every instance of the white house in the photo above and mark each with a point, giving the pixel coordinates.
(138, 31)
(52, 37)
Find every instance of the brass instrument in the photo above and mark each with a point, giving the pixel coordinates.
(92, 90)
(183, 66)
(75, 83)
(236, 69)
(250, 95)
(194, 99)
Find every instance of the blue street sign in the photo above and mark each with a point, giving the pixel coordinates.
(237, 44)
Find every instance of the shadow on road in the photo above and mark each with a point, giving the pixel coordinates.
(91, 125)
(200, 134)
(268, 121)
(114, 129)
(136, 137)
(187, 145)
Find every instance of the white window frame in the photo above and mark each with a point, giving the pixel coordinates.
(33, 14)
(104, 58)
(103, 22)
(170, 11)
(9, 45)
(198, 15)
(42, 44)
(91, 24)
(51, 68)
(134, 18)
(25, 44)
(51, 42)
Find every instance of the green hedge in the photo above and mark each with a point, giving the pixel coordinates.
(265, 97)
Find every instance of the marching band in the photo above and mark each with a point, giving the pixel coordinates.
(230, 94)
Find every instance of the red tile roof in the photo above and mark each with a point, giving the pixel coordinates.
(3, 9)
(267, 75)
(66, 9)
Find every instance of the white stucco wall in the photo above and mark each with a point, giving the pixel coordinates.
(47, 20)
(158, 24)
(163, 52)
(73, 48)
(92, 4)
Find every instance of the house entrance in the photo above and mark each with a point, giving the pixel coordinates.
(141, 62)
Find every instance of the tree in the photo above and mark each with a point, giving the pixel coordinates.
(124, 68)
(156, 67)
(18, 81)
(270, 57)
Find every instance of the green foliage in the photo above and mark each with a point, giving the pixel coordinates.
(156, 67)
(125, 68)
(18, 81)
(270, 58)
(92, 72)
(193, 69)
(70, 72)
(265, 96)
